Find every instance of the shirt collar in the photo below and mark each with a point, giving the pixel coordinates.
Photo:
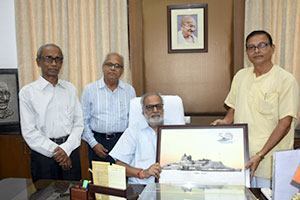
(274, 67)
(102, 83)
(43, 83)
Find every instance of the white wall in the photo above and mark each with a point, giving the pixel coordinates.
(8, 50)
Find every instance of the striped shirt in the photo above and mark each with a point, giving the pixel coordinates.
(105, 111)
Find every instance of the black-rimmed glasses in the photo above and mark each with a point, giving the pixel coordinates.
(116, 65)
(151, 107)
(252, 48)
(50, 59)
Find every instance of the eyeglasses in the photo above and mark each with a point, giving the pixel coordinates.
(190, 26)
(50, 59)
(116, 65)
(252, 48)
(151, 107)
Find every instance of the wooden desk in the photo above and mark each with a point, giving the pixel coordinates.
(23, 188)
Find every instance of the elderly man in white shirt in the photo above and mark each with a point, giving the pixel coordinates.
(51, 120)
(136, 149)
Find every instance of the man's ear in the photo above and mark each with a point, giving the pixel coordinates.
(37, 62)
(143, 111)
(273, 48)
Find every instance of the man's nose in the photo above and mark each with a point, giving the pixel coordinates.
(256, 49)
(5, 97)
(155, 109)
(113, 67)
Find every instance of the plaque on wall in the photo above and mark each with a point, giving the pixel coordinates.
(9, 102)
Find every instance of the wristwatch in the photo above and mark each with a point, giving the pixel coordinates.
(260, 155)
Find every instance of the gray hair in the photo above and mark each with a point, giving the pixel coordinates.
(149, 94)
(39, 52)
(113, 53)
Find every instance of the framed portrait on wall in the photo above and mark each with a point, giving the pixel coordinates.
(9, 101)
(187, 28)
(203, 154)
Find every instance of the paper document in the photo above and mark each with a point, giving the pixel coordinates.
(285, 165)
(113, 176)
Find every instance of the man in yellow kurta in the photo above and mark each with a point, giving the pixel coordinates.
(264, 96)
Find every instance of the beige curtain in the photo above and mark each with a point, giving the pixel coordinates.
(281, 18)
(86, 30)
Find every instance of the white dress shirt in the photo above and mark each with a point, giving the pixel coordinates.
(50, 112)
(137, 148)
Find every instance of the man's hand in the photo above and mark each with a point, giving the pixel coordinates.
(60, 155)
(153, 170)
(67, 165)
(218, 121)
(228, 119)
(253, 164)
(100, 150)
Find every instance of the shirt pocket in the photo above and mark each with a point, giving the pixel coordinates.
(268, 104)
(67, 116)
(123, 110)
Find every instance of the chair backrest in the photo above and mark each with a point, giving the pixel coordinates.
(173, 110)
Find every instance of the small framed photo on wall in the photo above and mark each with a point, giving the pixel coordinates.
(187, 28)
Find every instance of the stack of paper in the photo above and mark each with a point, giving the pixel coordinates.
(113, 176)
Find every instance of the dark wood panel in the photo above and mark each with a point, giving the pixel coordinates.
(136, 45)
(297, 143)
(84, 159)
(202, 80)
(188, 75)
(14, 157)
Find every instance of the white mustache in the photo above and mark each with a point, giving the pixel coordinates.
(155, 115)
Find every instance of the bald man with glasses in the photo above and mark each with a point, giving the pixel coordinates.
(188, 27)
(136, 149)
(105, 105)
